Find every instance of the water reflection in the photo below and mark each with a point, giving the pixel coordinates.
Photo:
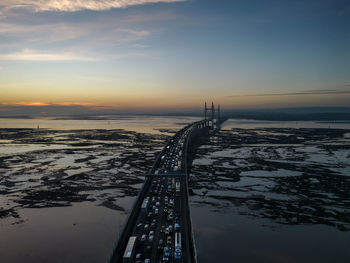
(142, 124)
(272, 195)
(64, 195)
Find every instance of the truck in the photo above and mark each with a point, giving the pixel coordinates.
(177, 187)
(144, 205)
(177, 240)
(129, 250)
(177, 245)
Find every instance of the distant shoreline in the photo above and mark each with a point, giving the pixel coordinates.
(320, 118)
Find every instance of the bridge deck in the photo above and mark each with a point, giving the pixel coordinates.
(161, 213)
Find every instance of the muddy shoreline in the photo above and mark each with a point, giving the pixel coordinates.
(291, 176)
(270, 181)
(58, 168)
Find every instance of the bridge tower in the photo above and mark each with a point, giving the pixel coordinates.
(214, 116)
(212, 112)
(219, 117)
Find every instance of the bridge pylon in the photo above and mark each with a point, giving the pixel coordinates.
(212, 111)
(219, 117)
(215, 114)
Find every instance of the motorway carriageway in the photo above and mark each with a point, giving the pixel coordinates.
(162, 219)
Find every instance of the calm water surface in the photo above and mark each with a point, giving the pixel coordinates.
(273, 194)
(145, 124)
(241, 214)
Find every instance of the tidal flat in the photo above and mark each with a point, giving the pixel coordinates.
(257, 194)
(64, 195)
(272, 195)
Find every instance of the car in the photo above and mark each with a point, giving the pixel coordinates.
(160, 244)
(168, 240)
(146, 226)
(176, 226)
(139, 225)
(151, 235)
(166, 254)
(143, 237)
(166, 251)
(138, 256)
(177, 254)
(147, 260)
(156, 211)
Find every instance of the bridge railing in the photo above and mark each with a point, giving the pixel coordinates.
(194, 131)
(118, 248)
(119, 245)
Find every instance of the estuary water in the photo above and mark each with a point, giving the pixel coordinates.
(272, 195)
(142, 124)
(261, 191)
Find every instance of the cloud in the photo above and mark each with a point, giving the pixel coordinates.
(47, 33)
(33, 55)
(26, 104)
(39, 108)
(103, 38)
(40, 104)
(75, 5)
(103, 33)
(303, 93)
(85, 104)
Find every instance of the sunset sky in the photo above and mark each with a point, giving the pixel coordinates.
(173, 54)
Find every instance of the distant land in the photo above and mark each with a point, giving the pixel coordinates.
(281, 114)
(293, 114)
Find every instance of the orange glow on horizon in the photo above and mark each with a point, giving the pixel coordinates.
(172, 102)
(40, 104)
(31, 104)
